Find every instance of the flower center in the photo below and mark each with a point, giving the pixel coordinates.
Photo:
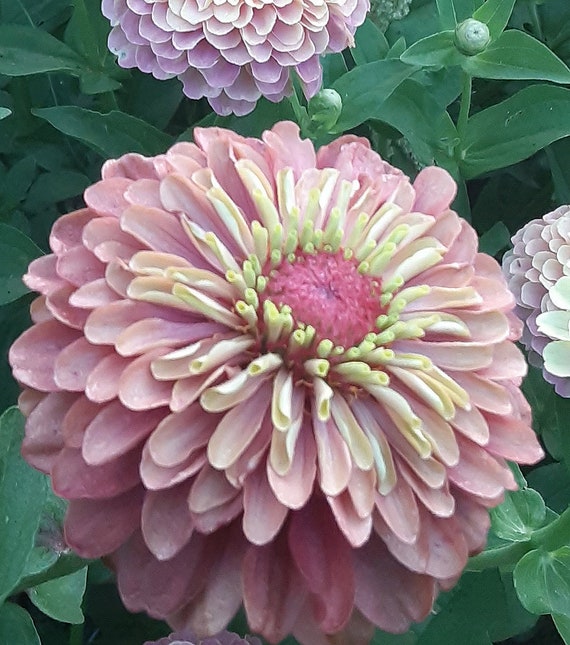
(327, 291)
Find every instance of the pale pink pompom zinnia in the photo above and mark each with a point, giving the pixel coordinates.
(270, 376)
(538, 273)
(232, 52)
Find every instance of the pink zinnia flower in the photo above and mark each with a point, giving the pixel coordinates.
(270, 376)
(232, 52)
(538, 273)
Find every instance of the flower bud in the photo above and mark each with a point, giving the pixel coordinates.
(325, 108)
(472, 37)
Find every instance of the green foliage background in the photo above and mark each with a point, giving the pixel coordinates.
(498, 121)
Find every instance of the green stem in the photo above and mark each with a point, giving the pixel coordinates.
(555, 534)
(550, 538)
(504, 556)
(76, 634)
(465, 105)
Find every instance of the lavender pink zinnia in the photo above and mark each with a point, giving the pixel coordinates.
(538, 273)
(273, 377)
(236, 51)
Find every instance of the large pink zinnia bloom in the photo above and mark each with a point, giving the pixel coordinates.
(538, 273)
(235, 51)
(273, 377)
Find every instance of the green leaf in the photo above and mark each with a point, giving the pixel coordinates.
(413, 111)
(61, 598)
(513, 130)
(517, 56)
(53, 187)
(542, 581)
(558, 155)
(522, 512)
(111, 135)
(437, 50)
(552, 481)
(495, 14)
(22, 494)
(4, 112)
(16, 251)
(26, 50)
(495, 239)
(446, 11)
(16, 626)
(563, 626)
(487, 603)
(361, 98)
(371, 44)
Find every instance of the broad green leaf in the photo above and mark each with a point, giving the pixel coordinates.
(397, 49)
(522, 512)
(26, 50)
(16, 626)
(495, 239)
(22, 494)
(427, 126)
(45, 13)
(4, 112)
(495, 14)
(513, 130)
(558, 155)
(437, 50)
(487, 603)
(61, 598)
(446, 11)
(563, 626)
(542, 581)
(16, 251)
(371, 44)
(53, 187)
(361, 99)
(517, 56)
(111, 135)
(87, 31)
(552, 481)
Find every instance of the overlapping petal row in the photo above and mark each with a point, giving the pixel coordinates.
(537, 269)
(270, 376)
(235, 51)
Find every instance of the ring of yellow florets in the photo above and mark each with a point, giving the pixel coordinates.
(384, 248)
(276, 328)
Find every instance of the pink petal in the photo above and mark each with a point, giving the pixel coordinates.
(33, 354)
(323, 558)
(94, 528)
(273, 591)
(387, 593)
(115, 431)
(166, 523)
(263, 515)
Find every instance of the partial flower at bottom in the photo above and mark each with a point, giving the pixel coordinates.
(273, 377)
(537, 269)
(223, 638)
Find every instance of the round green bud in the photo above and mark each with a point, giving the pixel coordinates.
(325, 108)
(472, 37)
